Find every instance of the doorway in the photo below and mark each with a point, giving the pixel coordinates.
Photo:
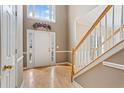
(40, 48)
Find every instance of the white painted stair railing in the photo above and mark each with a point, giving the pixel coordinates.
(104, 35)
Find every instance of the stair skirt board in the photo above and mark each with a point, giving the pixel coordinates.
(76, 84)
(113, 65)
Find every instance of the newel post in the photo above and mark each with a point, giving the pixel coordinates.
(73, 55)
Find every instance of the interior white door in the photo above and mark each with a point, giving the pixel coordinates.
(41, 48)
(8, 46)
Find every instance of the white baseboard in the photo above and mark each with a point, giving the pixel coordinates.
(62, 63)
(76, 85)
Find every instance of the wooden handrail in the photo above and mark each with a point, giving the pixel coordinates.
(93, 26)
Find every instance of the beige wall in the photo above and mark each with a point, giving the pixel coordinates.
(75, 12)
(60, 27)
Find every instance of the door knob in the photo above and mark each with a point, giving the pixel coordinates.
(7, 67)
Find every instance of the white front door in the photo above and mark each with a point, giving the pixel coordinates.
(41, 48)
(8, 19)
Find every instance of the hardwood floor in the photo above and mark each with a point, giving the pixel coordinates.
(48, 77)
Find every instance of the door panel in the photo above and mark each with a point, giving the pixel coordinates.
(42, 48)
(8, 47)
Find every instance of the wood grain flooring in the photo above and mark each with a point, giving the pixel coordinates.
(48, 77)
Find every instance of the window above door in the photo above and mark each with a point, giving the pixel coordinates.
(41, 12)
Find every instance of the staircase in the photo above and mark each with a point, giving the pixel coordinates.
(104, 39)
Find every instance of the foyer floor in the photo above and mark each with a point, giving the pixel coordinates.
(48, 77)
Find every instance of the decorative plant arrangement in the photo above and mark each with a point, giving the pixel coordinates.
(42, 26)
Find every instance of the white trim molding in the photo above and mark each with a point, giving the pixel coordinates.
(20, 58)
(62, 63)
(113, 65)
(25, 53)
(76, 85)
(63, 51)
